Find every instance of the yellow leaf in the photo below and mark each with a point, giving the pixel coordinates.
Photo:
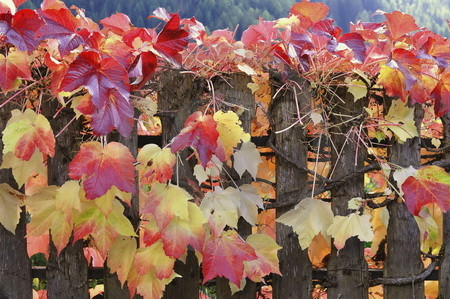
(400, 120)
(380, 219)
(309, 218)
(154, 257)
(220, 210)
(230, 130)
(247, 158)
(357, 88)
(267, 251)
(155, 164)
(10, 202)
(121, 256)
(21, 169)
(352, 225)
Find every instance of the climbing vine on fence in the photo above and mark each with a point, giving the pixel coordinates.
(106, 70)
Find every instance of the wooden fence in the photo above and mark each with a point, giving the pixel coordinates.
(346, 275)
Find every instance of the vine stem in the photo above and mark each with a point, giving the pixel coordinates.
(19, 92)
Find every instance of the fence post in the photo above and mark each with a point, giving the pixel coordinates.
(67, 272)
(291, 184)
(444, 267)
(347, 269)
(236, 92)
(180, 95)
(403, 233)
(113, 287)
(15, 266)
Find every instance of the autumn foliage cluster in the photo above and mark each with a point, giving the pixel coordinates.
(102, 71)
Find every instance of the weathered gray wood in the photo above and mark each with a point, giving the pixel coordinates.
(180, 95)
(403, 236)
(235, 91)
(347, 269)
(295, 265)
(15, 266)
(444, 269)
(66, 272)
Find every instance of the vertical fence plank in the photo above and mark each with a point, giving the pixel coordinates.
(66, 272)
(180, 95)
(291, 183)
(15, 267)
(236, 92)
(403, 236)
(347, 269)
(444, 268)
(113, 286)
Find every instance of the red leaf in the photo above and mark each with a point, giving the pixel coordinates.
(103, 167)
(99, 76)
(200, 132)
(400, 24)
(117, 113)
(117, 23)
(355, 42)
(20, 29)
(262, 32)
(314, 11)
(431, 184)
(62, 25)
(143, 68)
(171, 40)
(13, 66)
(224, 256)
(441, 94)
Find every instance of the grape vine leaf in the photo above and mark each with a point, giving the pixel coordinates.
(104, 230)
(357, 88)
(400, 24)
(393, 82)
(27, 131)
(54, 209)
(99, 76)
(10, 202)
(309, 218)
(13, 67)
(441, 94)
(247, 158)
(121, 256)
(62, 25)
(166, 202)
(225, 256)
(155, 164)
(154, 258)
(400, 120)
(199, 132)
(118, 23)
(179, 233)
(430, 184)
(230, 130)
(21, 169)
(220, 210)
(20, 29)
(148, 285)
(314, 11)
(266, 249)
(247, 201)
(105, 202)
(100, 168)
(171, 40)
(345, 227)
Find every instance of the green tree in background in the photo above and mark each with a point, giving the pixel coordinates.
(219, 14)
